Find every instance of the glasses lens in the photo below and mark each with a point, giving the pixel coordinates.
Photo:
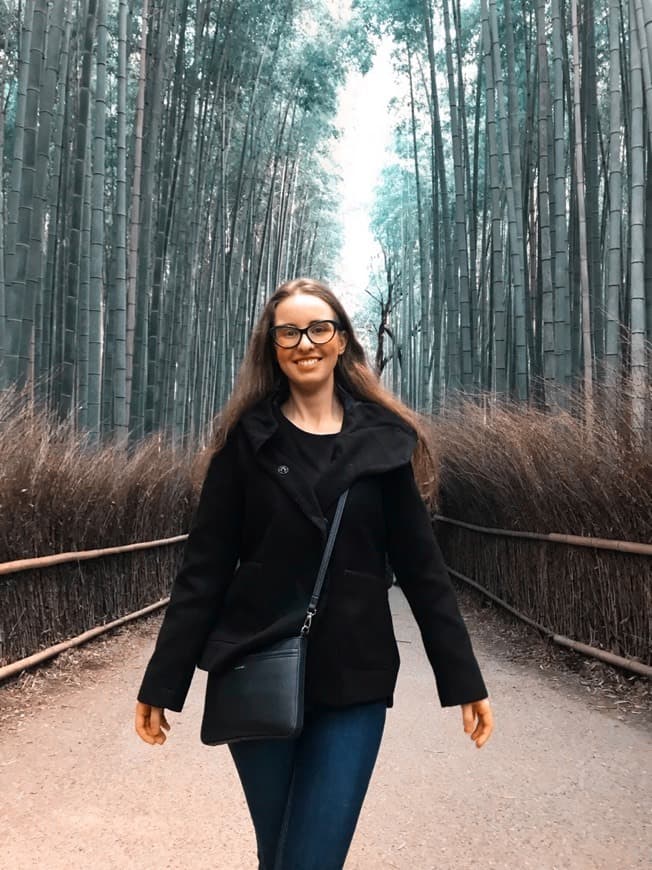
(286, 336)
(321, 332)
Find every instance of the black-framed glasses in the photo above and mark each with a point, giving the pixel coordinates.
(319, 332)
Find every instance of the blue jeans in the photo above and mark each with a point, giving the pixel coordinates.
(305, 793)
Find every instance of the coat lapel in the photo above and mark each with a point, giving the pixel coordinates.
(282, 464)
(261, 426)
(372, 440)
(364, 451)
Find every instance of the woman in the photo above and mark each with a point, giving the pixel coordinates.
(306, 420)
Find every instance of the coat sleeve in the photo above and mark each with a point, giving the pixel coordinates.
(417, 561)
(210, 556)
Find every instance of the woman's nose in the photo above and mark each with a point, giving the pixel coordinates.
(309, 343)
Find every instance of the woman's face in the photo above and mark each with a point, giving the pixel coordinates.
(309, 364)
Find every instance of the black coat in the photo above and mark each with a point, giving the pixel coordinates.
(253, 552)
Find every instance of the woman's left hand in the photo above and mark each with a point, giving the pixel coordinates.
(478, 718)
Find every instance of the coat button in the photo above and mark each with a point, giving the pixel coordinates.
(282, 469)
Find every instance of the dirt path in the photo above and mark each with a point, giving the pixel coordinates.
(563, 783)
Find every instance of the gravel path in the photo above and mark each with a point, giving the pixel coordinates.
(562, 783)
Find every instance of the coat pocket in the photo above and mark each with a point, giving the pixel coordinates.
(217, 653)
(369, 642)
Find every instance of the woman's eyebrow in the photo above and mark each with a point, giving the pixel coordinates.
(316, 320)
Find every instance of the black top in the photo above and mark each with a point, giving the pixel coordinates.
(315, 448)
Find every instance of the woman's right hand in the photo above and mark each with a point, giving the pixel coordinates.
(150, 722)
(478, 719)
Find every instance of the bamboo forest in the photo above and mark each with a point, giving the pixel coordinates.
(165, 166)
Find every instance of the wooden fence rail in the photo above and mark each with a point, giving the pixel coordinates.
(635, 547)
(81, 555)
(595, 652)
(14, 668)
(557, 538)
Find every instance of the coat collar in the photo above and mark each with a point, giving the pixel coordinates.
(372, 440)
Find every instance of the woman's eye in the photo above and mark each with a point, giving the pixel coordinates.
(288, 332)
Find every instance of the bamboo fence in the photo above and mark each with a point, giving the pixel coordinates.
(512, 596)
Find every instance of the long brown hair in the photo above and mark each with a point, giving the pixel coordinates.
(260, 374)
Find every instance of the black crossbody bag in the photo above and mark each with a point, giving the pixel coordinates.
(261, 695)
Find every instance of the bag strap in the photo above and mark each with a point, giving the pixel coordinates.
(325, 559)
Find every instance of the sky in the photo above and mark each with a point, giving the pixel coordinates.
(361, 152)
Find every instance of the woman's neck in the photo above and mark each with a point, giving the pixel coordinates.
(319, 411)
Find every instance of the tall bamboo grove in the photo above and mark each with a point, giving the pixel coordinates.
(164, 164)
(515, 219)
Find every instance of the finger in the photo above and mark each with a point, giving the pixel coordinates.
(141, 726)
(482, 723)
(484, 733)
(487, 724)
(158, 719)
(468, 717)
(478, 727)
(164, 722)
(155, 721)
(142, 732)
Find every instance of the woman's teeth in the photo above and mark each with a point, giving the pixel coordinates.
(305, 363)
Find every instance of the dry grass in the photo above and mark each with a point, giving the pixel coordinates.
(516, 468)
(58, 492)
(542, 472)
(519, 468)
